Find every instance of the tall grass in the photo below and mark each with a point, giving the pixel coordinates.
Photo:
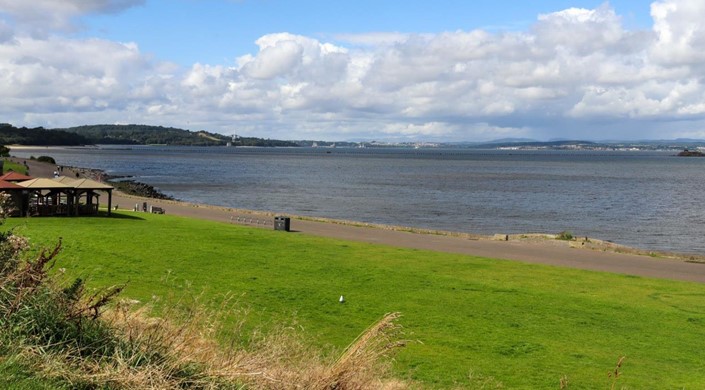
(64, 334)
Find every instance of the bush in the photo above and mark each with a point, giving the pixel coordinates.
(46, 159)
(565, 235)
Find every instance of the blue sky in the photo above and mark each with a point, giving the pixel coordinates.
(359, 70)
(216, 31)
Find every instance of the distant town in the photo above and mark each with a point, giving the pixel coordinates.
(158, 135)
(658, 145)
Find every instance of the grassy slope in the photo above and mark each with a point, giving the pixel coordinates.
(525, 325)
(11, 166)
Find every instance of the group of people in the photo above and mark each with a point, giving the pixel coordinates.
(59, 170)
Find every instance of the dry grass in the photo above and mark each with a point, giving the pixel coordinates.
(179, 352)
(361, 362)
(279, 359)
(85, 340)
(615, 374)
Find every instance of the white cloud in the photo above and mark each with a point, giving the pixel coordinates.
(294, 56)
(58, 74)
(571, 69)
(681, 35)
(424, 129)
(580, 30)
(276, 60)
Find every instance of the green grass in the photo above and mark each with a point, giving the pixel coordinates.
(12, 166)
(16, 376)
(524, 325)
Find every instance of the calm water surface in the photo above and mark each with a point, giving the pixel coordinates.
(650, 200)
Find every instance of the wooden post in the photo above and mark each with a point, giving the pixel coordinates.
(110, 201)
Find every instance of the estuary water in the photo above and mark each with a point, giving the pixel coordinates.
(650, 200)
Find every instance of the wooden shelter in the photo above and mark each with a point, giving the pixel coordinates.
(64, 196)
(86, 198)
(47, 197)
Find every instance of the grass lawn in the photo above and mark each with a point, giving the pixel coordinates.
(12, 166)
(477, 321)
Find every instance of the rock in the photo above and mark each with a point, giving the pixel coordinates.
(140, 189)
(691, 153)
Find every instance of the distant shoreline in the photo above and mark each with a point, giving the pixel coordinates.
(28, 147)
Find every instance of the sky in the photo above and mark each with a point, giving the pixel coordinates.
(423, 71)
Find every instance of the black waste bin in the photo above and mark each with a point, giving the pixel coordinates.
(282, 223)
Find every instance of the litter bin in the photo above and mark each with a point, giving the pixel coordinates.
(282, 223)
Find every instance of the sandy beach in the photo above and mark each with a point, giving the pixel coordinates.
(581, 254)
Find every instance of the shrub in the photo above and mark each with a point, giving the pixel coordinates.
(46, 159)
(565, 235)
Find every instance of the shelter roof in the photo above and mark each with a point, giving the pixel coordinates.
(65, 180)
(6, 185)
(15, 176)
(43, 183)
(88, 184)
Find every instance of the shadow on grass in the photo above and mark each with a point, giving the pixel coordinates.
(101, 214)
(118, 215)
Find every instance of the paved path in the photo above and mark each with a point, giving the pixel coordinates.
(552, 253)
(549, 252)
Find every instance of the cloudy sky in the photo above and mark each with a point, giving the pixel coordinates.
(451, 70)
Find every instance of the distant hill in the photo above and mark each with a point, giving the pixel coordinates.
(11, 135)
(124, 135)
(151, 135)
(510, 141)
(145, 135)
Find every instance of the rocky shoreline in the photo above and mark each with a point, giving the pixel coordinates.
(136, 188)
(123, 184)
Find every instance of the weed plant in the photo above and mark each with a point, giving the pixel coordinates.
(565, 235)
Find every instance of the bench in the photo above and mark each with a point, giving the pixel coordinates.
(157, 210)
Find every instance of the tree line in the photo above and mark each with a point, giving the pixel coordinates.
(10, 135)
(123, 135)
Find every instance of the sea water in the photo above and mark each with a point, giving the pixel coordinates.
(650, 200)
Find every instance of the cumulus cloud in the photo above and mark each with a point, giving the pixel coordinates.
(580, 30)
(577, 69)
(65, 75)
(680, 32)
